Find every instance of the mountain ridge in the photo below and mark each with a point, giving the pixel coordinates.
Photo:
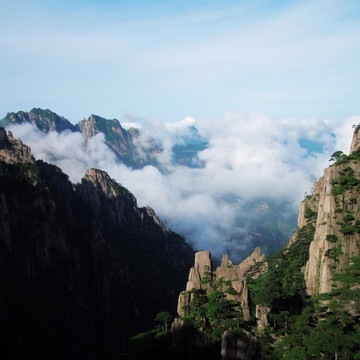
(131, 146)
(82, 268)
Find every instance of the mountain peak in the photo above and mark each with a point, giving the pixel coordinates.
(44, 120)
(102, 181)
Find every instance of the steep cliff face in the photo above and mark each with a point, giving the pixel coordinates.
(336, 201)
(81, 266)
(203, 276)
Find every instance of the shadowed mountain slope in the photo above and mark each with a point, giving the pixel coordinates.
(81, 266)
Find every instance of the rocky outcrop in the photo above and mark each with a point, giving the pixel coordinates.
(237, 273)
(82, 268)
(202, 267)
(101, 180)
(125, 144)
(115, 136)
(12, 150)
(261, 315)
(335, 200)
(203, 276)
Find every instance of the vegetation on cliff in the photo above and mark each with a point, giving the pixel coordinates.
(329, 325)
(287, 321)
(198, 333)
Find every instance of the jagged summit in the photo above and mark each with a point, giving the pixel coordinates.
(45, 120)
(102, 181)
(203, 276)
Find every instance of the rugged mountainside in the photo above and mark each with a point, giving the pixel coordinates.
(81, 266)
(127, 145)
(336, 200)
(123, 142)
(131, 146)
(333, 210)
(301, 303)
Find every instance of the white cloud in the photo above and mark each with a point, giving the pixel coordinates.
(128, 125)
(67, 150)
(249, 156)
(180, 127)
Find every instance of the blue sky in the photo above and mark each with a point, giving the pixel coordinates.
(272, 85)
(171, 59)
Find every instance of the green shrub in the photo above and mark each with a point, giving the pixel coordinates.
(348, 230)
(349, 217)
(334, 253)
(332, 238)
(309, 214)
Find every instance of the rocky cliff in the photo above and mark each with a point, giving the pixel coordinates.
(336, 201)
(203, 276)
(301, 303)
(126, 144)
(12, 150)
(81, 266)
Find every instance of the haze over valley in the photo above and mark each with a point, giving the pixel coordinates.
(239, 187)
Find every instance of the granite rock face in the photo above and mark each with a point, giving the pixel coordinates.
(197, 273)
(335, 200)
(82, 268)
(12, 150)
(203, 268)
(129, 146)
(116, 137)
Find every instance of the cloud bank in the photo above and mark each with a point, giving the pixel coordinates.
(248, 157)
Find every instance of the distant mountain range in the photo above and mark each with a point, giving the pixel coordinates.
(265, 222)
(128, 145)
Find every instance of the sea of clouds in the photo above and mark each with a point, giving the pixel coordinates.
(248, 157)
